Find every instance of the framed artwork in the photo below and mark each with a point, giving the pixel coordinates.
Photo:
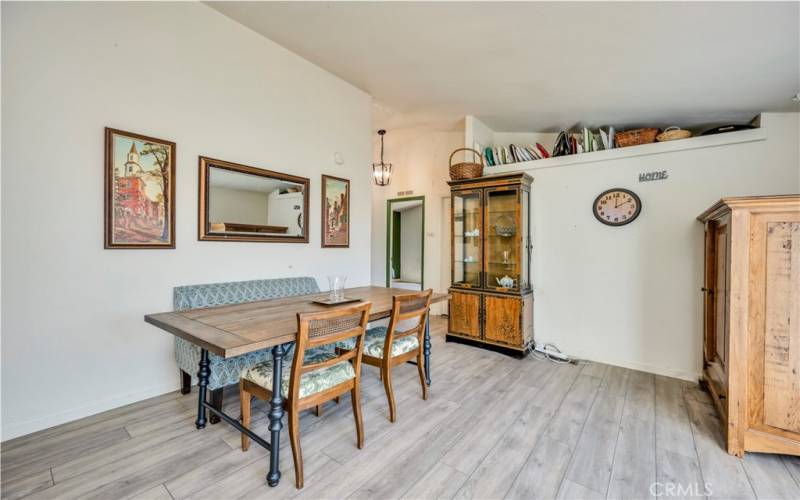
(335, 212)
(139, 191)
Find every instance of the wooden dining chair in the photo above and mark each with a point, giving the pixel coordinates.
(403, 339)
(313, 379)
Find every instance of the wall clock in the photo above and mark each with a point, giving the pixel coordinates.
(617, 207)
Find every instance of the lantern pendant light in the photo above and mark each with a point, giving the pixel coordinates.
(382, 172)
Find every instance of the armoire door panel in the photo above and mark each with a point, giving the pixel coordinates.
(709, 301)
(721, 294)
(782, 326)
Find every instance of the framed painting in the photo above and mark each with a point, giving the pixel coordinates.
(335, 212)
(139, 191)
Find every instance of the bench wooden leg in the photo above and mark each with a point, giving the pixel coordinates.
(216, 402)
(186, 382)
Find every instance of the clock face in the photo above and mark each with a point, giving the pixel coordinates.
(617, 207)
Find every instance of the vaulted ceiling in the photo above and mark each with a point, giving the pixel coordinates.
(543, 66)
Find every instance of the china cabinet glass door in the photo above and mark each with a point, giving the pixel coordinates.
(467, 233)
(503, 239)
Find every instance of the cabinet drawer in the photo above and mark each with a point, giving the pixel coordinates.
(503, 322)
(464, 314)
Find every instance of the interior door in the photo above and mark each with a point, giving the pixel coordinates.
(444, 257)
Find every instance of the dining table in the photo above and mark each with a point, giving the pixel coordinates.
(237, 329)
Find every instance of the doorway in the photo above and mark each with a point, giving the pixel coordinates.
(405, 243)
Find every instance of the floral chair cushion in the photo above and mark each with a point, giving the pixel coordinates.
(375, 341)
(311, 382)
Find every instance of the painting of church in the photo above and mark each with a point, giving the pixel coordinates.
(139, 210)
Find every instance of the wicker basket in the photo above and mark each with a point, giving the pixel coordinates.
(673, 134)
(465, 170)
(636, 137)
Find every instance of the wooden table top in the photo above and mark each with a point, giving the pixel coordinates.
(251, 326)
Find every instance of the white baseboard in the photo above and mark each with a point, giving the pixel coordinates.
(10, 431)
(657, 370)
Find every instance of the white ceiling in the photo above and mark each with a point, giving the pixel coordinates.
(544, 66)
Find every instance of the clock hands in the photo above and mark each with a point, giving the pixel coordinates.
(617, 214)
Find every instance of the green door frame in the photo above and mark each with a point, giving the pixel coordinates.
(389, 238)
(395, 256)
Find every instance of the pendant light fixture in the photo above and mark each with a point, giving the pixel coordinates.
(382, 172)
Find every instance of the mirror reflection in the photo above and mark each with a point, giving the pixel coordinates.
(252, 204)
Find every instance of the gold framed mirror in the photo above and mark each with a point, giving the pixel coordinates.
(241, 203)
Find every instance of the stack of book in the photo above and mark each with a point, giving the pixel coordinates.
(503, 155)
(568, 143)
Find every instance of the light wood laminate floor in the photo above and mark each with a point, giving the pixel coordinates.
(493, 427)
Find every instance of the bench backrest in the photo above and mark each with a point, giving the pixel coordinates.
(236, 292)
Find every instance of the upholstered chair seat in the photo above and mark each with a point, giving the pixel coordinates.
(376, 340)
(311, 382)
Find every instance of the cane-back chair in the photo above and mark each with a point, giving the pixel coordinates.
(314, 380)
(403, 340)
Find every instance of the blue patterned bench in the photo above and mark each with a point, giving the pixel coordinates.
(226, 371)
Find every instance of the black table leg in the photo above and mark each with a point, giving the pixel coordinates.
(275, 416)
(426, 349)
(202, 384)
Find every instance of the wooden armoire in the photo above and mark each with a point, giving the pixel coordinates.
(751, 321)
(491, 299)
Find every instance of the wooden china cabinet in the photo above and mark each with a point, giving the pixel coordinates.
(492, 301)
(751, 321)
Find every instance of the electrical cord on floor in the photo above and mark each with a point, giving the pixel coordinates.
(562, 359)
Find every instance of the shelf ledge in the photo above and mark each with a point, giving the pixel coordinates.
(655, 148)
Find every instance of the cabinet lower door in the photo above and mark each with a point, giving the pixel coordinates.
(503, 320)
(464, 317)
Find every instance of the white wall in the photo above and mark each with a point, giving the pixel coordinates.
(237, 205)
(630, 296)
(420, 157)
(547, 140)
(411, 244)
(73, 338)
(477, 133)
